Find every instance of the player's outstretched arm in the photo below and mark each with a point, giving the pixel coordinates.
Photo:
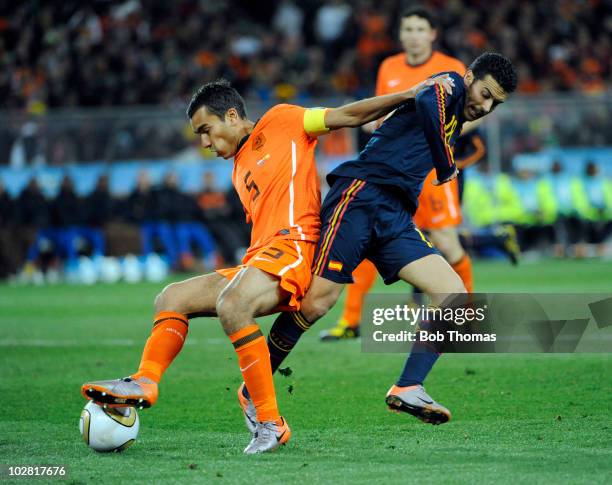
(370, 109)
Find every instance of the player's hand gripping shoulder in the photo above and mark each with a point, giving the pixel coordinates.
(370, 109)
(443, 80)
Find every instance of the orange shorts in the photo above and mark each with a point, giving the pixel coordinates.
(438, 205)
(288, 260)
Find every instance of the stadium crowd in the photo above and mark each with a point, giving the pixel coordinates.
(100, 53)
(40, 233)
(145, 52)
(151, 53)
(554, 213)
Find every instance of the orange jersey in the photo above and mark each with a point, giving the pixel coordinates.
(438, 205)
(395, 75)
(276, 179)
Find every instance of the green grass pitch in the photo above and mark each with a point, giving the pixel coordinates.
(516, 418)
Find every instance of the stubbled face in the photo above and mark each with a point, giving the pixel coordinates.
(483, 96)
(221, 136)
(416, 35)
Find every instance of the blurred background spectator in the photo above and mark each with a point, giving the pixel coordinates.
(187, 230)
(153, 210)
(105, 53)
(97, 158)
(227, 226)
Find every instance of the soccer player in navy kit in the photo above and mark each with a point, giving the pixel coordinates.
(368, 214)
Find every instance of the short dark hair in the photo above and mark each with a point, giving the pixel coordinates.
(498, 66)
(218, 96)
(421, 12)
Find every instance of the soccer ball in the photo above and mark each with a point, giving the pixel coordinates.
(108, 429)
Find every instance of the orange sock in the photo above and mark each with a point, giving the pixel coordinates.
(254, 362)
(164, 344)
(364, 276)
(463, 268)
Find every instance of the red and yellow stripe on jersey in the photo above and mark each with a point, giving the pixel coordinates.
(328, 238)
(445, 127)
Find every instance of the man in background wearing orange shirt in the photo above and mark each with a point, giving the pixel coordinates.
(439, 211)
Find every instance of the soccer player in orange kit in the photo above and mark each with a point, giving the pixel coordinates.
(439, 212)
(277, 182)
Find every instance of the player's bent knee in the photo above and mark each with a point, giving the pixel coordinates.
(447, 241)
(454, 285)
(460, 287)
(314, 311)
(316, 307)
(450, 282)
(452, 253)
(224, 307)
(321, 296)
(233, 311)
(168, 300)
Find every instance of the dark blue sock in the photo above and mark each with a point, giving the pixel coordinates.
(418, 297)
(422, 358)
(417, 366)
(284, 335)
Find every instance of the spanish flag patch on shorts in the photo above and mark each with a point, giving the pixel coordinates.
(334, 266)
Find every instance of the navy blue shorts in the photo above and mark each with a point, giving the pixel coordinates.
(362, 220)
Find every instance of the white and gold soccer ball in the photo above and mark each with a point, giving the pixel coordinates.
(108, 429)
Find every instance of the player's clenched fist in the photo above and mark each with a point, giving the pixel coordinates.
(447, 179)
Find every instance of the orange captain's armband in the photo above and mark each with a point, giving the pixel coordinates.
(314, 121)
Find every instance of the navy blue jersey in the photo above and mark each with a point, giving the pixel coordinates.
(419, 135)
